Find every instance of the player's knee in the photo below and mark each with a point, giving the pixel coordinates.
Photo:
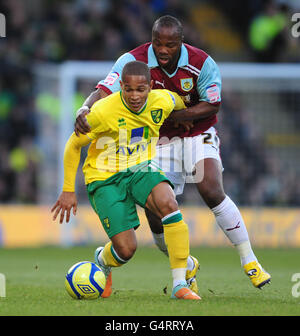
(168, 205)
(213, 196)
(126, 252)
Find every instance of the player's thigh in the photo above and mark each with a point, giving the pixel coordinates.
(196, 150)
(143, 182)
(161, 201)
(115, 208)
(151, 189)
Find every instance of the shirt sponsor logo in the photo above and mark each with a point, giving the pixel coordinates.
(213, 93)
(111, 78)
(138, 142)
(137, 134)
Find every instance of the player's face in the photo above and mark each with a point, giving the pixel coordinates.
(166, 43)
(135, 90)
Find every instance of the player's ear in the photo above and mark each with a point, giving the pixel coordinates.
(121, 84)
(151, 84)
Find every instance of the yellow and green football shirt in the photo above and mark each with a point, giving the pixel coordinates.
(122, 138)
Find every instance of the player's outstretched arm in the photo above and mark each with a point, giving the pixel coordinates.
(81, 125)
(67, 199)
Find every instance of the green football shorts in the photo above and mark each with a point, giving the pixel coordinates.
(114, 199)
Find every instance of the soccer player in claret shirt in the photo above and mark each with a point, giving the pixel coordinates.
(119, 173)
(195, 76)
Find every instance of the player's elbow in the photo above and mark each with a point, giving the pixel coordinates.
(214, 107)
(77, 142)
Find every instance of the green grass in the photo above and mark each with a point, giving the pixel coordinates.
(35, 284)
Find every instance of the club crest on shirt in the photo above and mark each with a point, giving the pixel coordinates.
(156, 115)
(186, 84)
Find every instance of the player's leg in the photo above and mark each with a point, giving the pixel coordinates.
(118, 216)
(117, 252)
(227, 215)
(151, 189)
(169, 158)
(229, 218)
(157, 230)
(165, 158)
(161, 201)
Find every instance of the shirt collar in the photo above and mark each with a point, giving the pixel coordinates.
(128, 108)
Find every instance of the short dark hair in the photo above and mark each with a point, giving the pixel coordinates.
(168, 21)
(136, 68)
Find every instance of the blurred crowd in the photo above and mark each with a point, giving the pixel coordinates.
(254, 174)
(57, 30)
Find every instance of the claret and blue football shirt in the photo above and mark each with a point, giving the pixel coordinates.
(197, 78)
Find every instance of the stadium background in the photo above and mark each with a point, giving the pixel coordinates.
(258, 123)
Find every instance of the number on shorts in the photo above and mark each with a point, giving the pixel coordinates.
(207, 138)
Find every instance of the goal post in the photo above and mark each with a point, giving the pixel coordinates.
(70, 72)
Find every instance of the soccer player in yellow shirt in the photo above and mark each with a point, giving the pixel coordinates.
(119, 174)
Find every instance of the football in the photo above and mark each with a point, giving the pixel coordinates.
(85, 280)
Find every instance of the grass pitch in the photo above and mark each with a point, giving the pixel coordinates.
(35, 284)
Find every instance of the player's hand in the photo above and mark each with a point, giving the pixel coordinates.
(81, 124)
(65, 203)
(187, 124)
